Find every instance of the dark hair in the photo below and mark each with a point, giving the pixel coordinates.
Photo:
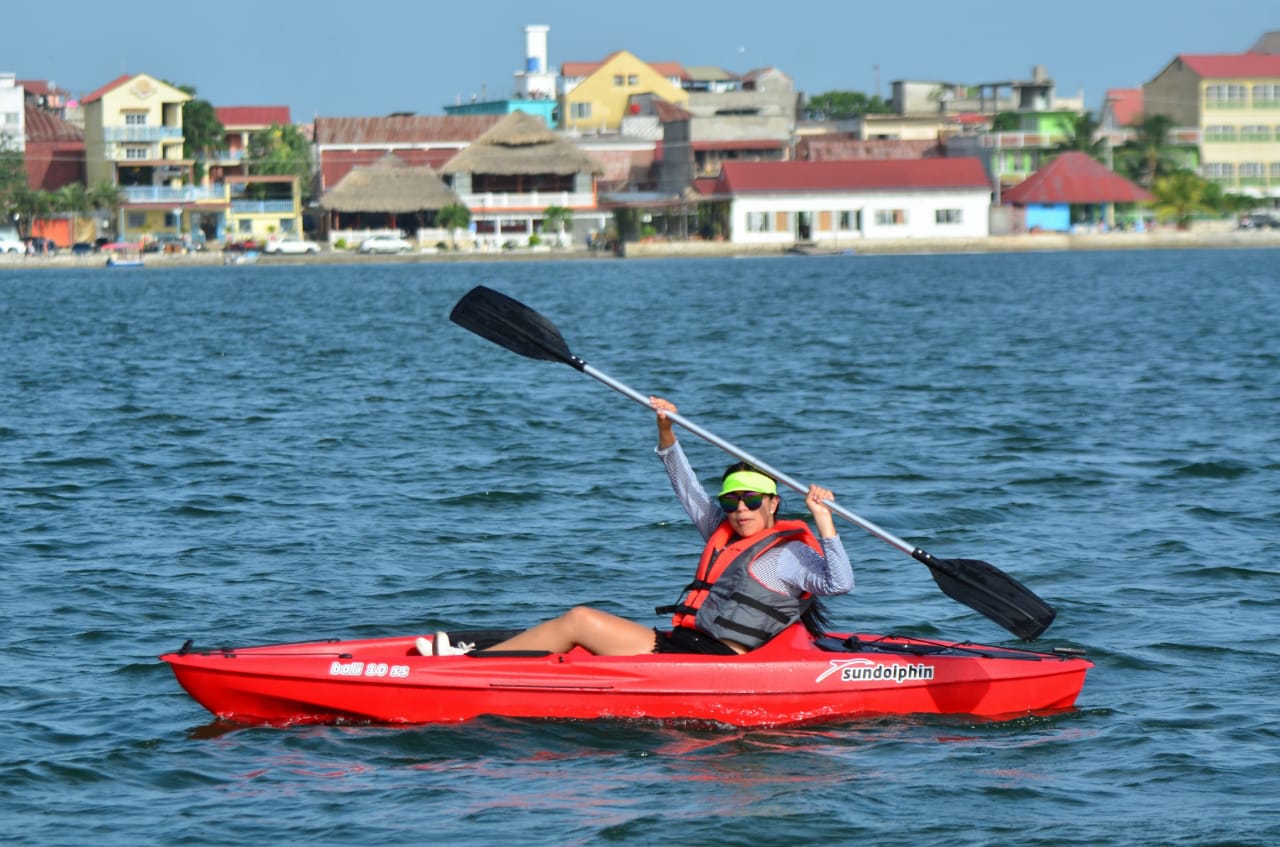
(743, 466)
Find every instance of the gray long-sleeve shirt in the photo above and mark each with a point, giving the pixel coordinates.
(792, 568)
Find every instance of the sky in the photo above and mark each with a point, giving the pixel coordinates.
(339, 59)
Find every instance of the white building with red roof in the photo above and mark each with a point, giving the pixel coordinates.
(834, 203)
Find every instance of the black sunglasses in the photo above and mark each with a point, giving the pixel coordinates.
(729, 502)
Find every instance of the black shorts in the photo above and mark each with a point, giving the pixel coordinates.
(685, 640)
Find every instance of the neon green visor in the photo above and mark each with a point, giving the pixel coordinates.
(748, 481)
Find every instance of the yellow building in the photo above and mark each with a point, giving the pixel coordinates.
(134, 140)
(1233, 102)
(595, 94)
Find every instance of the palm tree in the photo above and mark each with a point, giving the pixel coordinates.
(1081, 133)
(453, 217)
(1179, 196)
(106, 196)
(33, 205)
(73, 199)
(1149, 155)
(559, 217)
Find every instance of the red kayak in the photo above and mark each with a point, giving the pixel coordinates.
(792, 679)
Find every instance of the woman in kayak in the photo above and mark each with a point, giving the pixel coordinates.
(757, 574)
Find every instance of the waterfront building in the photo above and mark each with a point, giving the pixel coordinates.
(1232, 103)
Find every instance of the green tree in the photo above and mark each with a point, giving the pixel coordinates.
(106, 196)
(282, 151)
(1180, 196)
(202, 133)
(72, 199)
(1149, 155)
(1006, 122)
(1081, 133)
(453, 217)
(558, 217)
(13, 180)
(32, 205)
(842, 105)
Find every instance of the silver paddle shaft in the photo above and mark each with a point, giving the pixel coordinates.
(793, 484)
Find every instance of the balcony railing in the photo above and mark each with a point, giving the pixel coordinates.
(497, 202)
(141, 133)
(165, 194)
(262, 207)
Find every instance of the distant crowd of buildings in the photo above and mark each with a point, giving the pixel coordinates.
(624, 149)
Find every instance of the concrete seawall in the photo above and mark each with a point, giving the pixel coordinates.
(1022, 243)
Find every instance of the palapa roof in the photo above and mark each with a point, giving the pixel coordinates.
(1075, 177)
(388, 185)
(521, 143)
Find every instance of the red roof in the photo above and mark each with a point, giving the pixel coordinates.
(1233, 65)
(851, 175)
(1125, 105)
(232, 116)
(1074, 177)
(110, 86)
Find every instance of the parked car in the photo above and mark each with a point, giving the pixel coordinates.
(1259, 220)
(240, 245)
(12, 245)
(291, 245)
(385, 244)
(82, 248)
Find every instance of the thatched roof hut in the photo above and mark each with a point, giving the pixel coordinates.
(521, 144)
(389, 186)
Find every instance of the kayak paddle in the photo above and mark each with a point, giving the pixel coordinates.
(979, 585)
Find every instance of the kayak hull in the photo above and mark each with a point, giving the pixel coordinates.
(792, 679)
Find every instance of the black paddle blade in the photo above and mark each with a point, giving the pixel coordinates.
(990, 591)
(511, 324)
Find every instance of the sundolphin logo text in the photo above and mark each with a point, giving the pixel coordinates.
(865, 670)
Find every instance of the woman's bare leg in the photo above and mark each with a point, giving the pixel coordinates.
(599, 632)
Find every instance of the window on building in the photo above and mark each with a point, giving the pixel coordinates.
(618, 80)
(136, 220)
(948, 216)
(1255, 133)
(1219, 132)
(1266, 96)
(1275, 171)
(1251, 172)
(848, 221)
(1226, 96)
(891, 217)
(286, 225)
(579, 111)
(633, 80)
(758, 222)
(244, 226)
(1220, 171)
(10, 118)
(136, 152)
(135, 118)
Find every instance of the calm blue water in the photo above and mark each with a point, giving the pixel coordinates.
(253, 454)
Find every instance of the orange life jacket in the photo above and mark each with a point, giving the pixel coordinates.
(725, 601)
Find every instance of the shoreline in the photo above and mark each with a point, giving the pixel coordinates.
(1021, 243)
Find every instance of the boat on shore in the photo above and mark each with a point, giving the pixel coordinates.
(792, 679)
